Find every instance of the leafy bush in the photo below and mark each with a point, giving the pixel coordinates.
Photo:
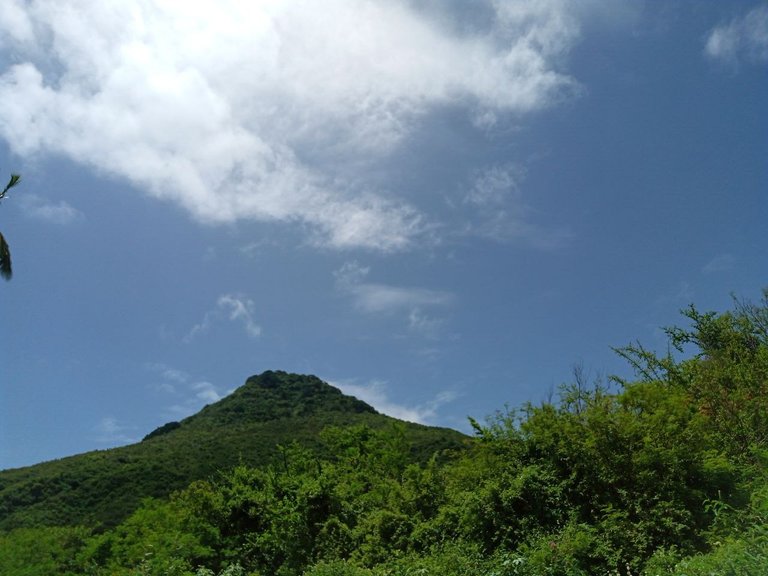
(337, 568)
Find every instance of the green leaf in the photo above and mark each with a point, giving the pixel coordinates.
(15, 178)
(5, 259)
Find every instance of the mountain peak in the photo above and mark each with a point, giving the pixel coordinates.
(272, 395)
(271, 409)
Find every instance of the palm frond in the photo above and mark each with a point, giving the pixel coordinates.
(11, 183)
(5, 259)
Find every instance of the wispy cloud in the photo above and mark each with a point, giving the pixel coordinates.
(374, 298)
(743, 39)
(229, 307)
(169, 378)
(495, 198)
(41, 208)
(375, 393)
(425, 324)
(384, 298)
(110, 431)
(183, 393)
(222, 107)
(720, 263)
(495, 186)
(377, 298)
(206, 392)
(257, 248)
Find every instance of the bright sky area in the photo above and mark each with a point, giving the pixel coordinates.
(440, 207)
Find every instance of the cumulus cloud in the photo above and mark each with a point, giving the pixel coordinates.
(232, 307)
(41, 208)
(743, 39)
(246, 110)
(375, 393)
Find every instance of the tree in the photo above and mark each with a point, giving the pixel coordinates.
(6, 271)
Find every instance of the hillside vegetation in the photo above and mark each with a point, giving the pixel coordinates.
(275, 408)
(665, 474)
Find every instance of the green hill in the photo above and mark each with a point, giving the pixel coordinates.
(269, 410)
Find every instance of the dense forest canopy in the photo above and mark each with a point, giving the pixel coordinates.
(663, 474)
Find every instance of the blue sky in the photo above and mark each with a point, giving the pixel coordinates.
(440, 207)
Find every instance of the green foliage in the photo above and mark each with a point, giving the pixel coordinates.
(337, 568)
(14, 180)
(727, 379)
(6, 269)
(275, 395)
(42, 551)
(160, 537)
(739, 547)
(103, 488)
(164, 429)
(231, 570)
(633, 466)
(450, 559)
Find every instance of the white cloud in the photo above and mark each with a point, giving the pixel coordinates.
(500, 212)
(351, 274)
(175, 375)
(223, 107)
(240, 309)
(232, 307)
(192, 398)
(186, 394)
(383, 298)
(14, 19)
(110, 431)
(494, 186)
(258, 248)
(206, 392)
(424, 324)
(744, 38)
(170, 378)
(42, 209)
(375, 393)
(721, 263)
(412, 304)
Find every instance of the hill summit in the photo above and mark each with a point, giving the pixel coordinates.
(247, 427)
(272, 395)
